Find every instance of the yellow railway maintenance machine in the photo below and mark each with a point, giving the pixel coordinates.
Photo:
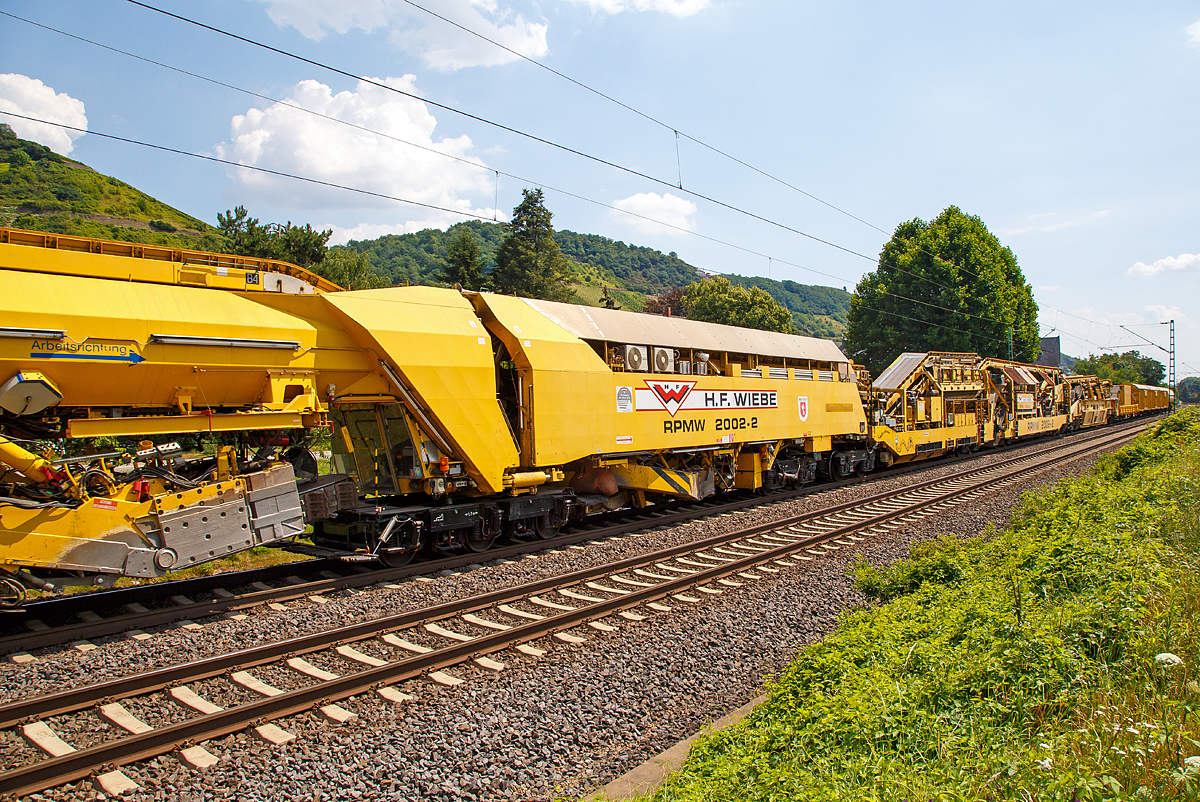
(927, 405)
(1088, 399)
(1025, 400)
(103, 339)
(456, 417)
(557, 410)
(672, 407)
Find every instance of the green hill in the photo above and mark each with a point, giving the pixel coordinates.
(43, 191)
(816, 310)
(633, 272)
(598, 262)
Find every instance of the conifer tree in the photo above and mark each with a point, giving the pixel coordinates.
(464, 261)
(529, 262)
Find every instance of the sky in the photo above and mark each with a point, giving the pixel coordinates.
(778, 138)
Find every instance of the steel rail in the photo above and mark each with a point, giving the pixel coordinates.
(82, 698)
(114, 625)
(78, 699)
(80, 764)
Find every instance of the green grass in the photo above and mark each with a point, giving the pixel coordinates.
(1020, 666)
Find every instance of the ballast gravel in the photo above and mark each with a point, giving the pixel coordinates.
(557, 726)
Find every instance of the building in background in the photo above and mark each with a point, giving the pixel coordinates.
(1051, 353)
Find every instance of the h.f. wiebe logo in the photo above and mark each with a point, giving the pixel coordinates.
(673, 396)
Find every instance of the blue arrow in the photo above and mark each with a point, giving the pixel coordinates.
(132, 357)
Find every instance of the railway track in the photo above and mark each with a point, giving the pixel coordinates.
(373, 657)
(79, 619)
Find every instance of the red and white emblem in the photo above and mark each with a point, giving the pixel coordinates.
(802, 402)
(671, 394)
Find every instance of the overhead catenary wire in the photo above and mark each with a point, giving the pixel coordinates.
(650, 118)
(332, 185)
(556, 145)
(254, 168)
(499, 125)
(476, 164)
(642, 114)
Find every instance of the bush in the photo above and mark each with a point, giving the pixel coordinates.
(937, 561)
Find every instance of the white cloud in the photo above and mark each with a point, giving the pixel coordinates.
(1162, 313)
(659, 209)
(443, 46)
(289, 140)
(1169, 264)
(21, 94)
(1047, 222)
(680, 8)
(1193, 31)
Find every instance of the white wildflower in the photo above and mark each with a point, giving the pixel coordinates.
(1167, 661)
(1046, 764)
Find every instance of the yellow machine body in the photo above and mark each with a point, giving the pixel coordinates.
(437, 358)
(1026, 400)
(927, 404)
(113, 339)
(575, 403)
(466, 415)
(1088, 399)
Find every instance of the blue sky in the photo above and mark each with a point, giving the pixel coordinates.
(1069, 128)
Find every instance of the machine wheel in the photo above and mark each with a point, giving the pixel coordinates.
(835, 469)
(544, 529)
(303, 462)
(475, 538)
(12, 593)
(397, 559)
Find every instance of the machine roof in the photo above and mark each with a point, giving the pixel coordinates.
(614, 325)
(898, 371)
(1019, 375)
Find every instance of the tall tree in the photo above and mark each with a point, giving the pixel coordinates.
(350, 270)
(1189, 390)
(464, 262)
(529, 262)
(246, 236)
(716, 300)
(1127, 368)
(944, 285)
(607, 301)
